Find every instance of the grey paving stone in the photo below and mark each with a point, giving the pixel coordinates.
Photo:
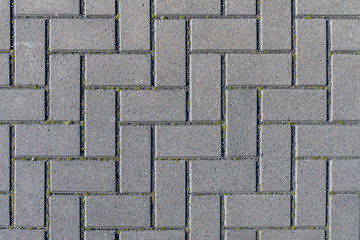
(47, 7)
(298, 234)
(65, 87)
(331, 140)
(204, 217)
(153, 235)
(289, 105)
(170, 53)
(99, 7)
(151, 106)
(275, 24)
(4, 158)
(29, 197)
(100, 123)
(118, 70)
(221, 176)
(64, 217)
(135, 159)
(83, 176)
(208, 34)
(4, 25)
(99, 235)
(205, 87)
(47, 140)
(29, 51)
(257, 211)
(344, 217)
(134, 32)
(15, 234)
(5, 210)
(344, 175)
(258, 69)
(4, 69)
(327, 7)
(275, 158)
(345, 35)
(184, 7)
(310, 193)
(240, 7)
(117, 211)
(311, 58)
(241, 128)
(170, 206)
(240, 234)
(188, 141)
(82, 34)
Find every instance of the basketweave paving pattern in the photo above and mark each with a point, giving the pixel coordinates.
(176, 119)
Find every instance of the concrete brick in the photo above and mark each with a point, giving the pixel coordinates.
(170, 193)
(65, 87)
(151, 106)
(153, 235)
(83, 176)
(64, 217)
(100, 123)
(327, 7)
(310, 193)
(82, 34)
(16, 234)
(4, 69)
(208, 34)
(29, 197)
(4, 158)
(135, 159)
(118, 70)
(47, 140)
(183, 7)
(240, 7)
(345, 72)
(204, 217)
(298, 234)
(47, 7)
(117, 211)
(241, 120)
(99, 235)
(99, 7)
(331, 140)
(344, 175)
(275, 24)
(134, 32)
(242, 234)
(29, 51)
(4, 211)
(311, 58)
(22, 104)
(205, 87)
(289, 105)
(170, 53)
(345, 35)
(258, 69)
(221, 176)
(4, 25)
(186, 141)
(257, 210)
(275, 158)
(344, 217)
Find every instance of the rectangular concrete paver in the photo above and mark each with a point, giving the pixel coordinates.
(240, 234)
(47, 7)
(327, 7)
(4, 69)
(344, 175)
(4, 158)
(99, 235)
(99, 7)
(175, 7)
(240, 7)
(17, 234)
(4, 25)
(4, 211)
(298, 234)
(345, 35)
(153, 235)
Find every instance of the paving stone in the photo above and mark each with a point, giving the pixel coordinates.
(152, 235)
(176, 7)
(240, 7)
(344, 217)
(258, 69)
(151, 106)
(186, 141)
(290, 105)
(118, 70)
(331, 140)
(135, 159)
(240, 234)
(170, 206)
(241, 128)
(257, 210)
(4, 158)
(47, 7)
(65, 87)
(4, 211)
(327, 7)
(100, 123)
(83, 176)
(170, 53)
(99, 235)
(298, 234)
(117, 211)
(64, 217)
(205, 217)
(99, 7)
(29, 197)
(82, 34)
(205, 87)
(345, 35)
(275, 158)
(275, 24)
(15, 234)
(4, 69)
(29, 51)
(4, 25)
(310, 193)
(311, 58)
(344, 175)
(47, 140)
(208, 34)
(220, 176)
(134, 32)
